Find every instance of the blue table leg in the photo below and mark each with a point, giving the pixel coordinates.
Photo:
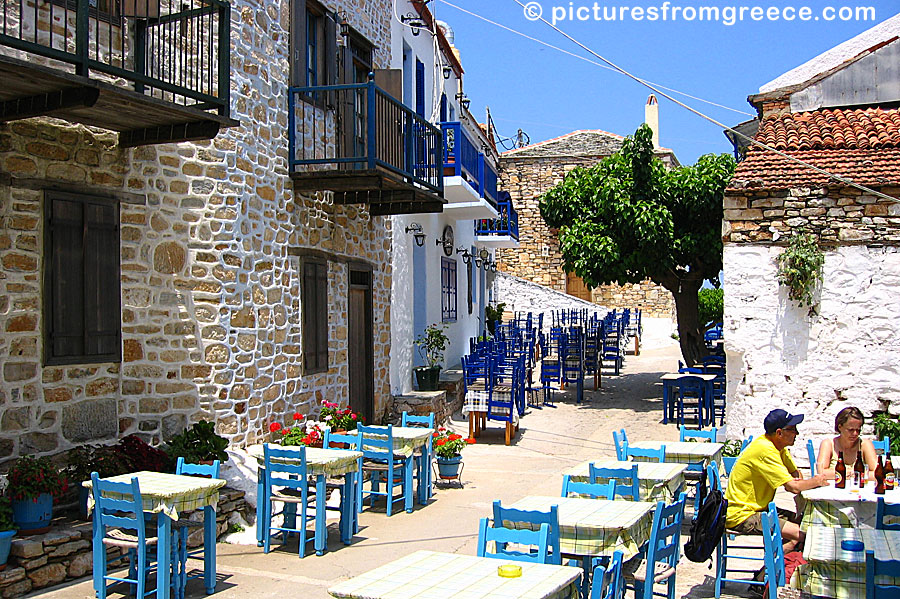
(209, 549)
(408, 486)
(163, 556)
(580, 389)
(321, 531)
(348, 508)
(665, 402)
(260, 506)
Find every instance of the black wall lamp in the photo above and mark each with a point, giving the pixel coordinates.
(463, 100)
(414, 21)
(466, 256)
(447, 71)
(418, 233)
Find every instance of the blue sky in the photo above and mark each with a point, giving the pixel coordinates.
(547, 93)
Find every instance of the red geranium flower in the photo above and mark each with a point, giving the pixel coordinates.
(441, 442)
(275, 426)
(454, 437)
(298, 416)
(470, 440)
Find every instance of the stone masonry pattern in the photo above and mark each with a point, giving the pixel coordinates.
(210, 295)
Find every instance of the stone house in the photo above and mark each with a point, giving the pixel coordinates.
(530, 171)
(195, 234)
(838, 113)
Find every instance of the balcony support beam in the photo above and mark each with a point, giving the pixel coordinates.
(47, 103)
(169, 133)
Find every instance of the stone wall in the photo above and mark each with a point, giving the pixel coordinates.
(65, 553)
(209, 233)
(538, 257)
(781, 356)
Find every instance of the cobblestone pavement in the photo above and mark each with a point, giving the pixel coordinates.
(549, 441)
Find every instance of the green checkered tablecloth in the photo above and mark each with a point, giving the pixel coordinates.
(835, 572)
(433, 575)
(846, 508)
(170, 493)
(477, 401)
(330, 462)
(658, 482)
(406, 438)
(595, 526)
(686, 452)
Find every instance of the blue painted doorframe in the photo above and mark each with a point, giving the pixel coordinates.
(420, 299)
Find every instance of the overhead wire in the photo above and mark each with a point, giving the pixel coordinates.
(751, 140)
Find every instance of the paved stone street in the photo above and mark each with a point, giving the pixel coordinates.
(550, 440)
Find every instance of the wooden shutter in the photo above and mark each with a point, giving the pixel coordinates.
(101, 280)
(315, 316)
(64, 280)
(420, 88)
(298, 43)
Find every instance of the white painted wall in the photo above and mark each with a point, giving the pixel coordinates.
(778, 356)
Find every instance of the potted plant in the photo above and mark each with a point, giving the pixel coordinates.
(7, 529)
(138, 456)
(493, 315)
(431, 344)
(308, 434)
(85, 459)
(198, 444)
(448, 448)
(337, 418)
(33, 485)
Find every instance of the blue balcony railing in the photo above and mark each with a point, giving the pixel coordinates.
(506, 225)
(490, 184)
(361, 127)
(462, 159)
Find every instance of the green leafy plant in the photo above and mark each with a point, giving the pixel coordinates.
(432, 343)
(102, 459)
(198, 443)
(338, 418)
(493, 315)
(711, 306)
(732, 448)
(800, 269)
(308, 434)
(6, 514)
(888, 426)
(448, 444)
(30, 476)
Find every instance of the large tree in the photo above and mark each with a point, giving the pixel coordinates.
(628, 219)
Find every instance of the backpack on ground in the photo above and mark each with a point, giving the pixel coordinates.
(708, 527)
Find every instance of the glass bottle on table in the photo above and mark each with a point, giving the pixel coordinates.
(859, 470)
(840, 472)
(879, 477)
(890, 479)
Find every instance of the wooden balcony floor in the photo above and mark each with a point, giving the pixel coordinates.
(31, 90)
(385, 193)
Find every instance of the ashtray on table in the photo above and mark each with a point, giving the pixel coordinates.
(851, 545)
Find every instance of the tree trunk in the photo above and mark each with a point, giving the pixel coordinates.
(689, 331)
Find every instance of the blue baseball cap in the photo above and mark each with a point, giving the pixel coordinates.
(779, 418)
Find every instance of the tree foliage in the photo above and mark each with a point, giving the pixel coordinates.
(711, 306)
(628, 219)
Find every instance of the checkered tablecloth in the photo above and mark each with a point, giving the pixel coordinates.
(595, 526)
(477, 401)
(686, 452)
(433, 575)
(658, 482)
(406, 438)
(829, 506)
(835, 572)
(330, 462)
(169, 493)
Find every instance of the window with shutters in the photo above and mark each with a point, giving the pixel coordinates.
(314, 298)
(448, 289)
(313, 48)
(82, 315)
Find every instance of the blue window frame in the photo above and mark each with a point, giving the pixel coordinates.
(448, 289)
(420, 88)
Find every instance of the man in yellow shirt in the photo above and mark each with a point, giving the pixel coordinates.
(764, 466)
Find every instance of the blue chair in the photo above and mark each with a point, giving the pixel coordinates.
(887, 509)
(501, 537)
(663, 550)
(879, 568)
(550, 518)
(883, 446)
(693, 471)
(183, 525)
(692, 435)
(813, 459)
(350, 442)
(592, 490)
(626, 479)
(620, 439)
(383, 465)
(658, 454)
(607, 583)
(286, 482)
(772, 558)
(690, 388)
(422, 455)
(118, 507)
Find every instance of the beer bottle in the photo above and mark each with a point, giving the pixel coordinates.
(889, 477)
(840, 472)
(859, 469)
(879, 478)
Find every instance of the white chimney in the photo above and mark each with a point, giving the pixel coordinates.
(651, 118)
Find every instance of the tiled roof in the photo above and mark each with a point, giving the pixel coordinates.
(861, 145)
(828, 128)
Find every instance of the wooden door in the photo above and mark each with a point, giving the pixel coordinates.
(575, 286)
(360, 351)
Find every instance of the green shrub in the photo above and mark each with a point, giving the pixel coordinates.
(198, 443)
(711, 306)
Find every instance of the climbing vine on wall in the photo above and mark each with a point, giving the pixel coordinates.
(800, 269)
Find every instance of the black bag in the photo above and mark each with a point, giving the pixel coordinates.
(708, 527)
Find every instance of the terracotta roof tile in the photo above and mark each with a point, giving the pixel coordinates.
(765, 170)
(832, 128)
